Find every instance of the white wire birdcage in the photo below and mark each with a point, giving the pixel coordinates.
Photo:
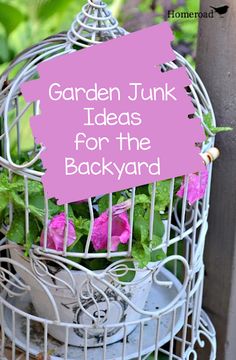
(54, 306)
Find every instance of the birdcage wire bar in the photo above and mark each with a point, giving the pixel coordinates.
(179, 277)
(180, 346)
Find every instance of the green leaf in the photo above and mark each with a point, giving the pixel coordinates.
(77, 246)
(158, 226)
(142, 199)
(129, 276)
(121, 199)
(50, 7)
(158, 232)
(177, 184)
(16, 184)
(4, 50)
(218, 129)
(37, 206)
(156, 241)
(139, 210)
(82, 227)
(163, 194)
(81, 209)
(35, 187)
(17, 200)
(141, 229)
(82, 224)
(97, 264)
(142, 247)
(157, 255)
(37, 200)
(38, 213)
(212, 128)
(171, 265)
(4, 200)
(55, 209)
(10, 17)
(142, 190)
(121, 247)
(162, 199)
(19, 203)
(103, 203)
(35, 230)
(141, 253)
(16, 233)
(4, 183)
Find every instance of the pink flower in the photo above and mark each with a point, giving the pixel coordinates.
(120, 228)
(196, 187)
(56, 233)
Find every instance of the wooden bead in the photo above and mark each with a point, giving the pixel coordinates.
(210, 155)
(214, 152)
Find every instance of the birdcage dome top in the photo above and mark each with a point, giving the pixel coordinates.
(93, 25)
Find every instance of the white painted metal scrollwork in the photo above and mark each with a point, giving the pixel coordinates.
(206, 333)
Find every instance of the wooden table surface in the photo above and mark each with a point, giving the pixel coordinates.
(19, 354)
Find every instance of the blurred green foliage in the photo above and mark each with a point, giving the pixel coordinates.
(25, 22)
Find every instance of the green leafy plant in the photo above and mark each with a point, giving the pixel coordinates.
(10, 17)
(144, 247)
(214, 129)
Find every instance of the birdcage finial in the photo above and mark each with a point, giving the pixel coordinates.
(93, 25)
